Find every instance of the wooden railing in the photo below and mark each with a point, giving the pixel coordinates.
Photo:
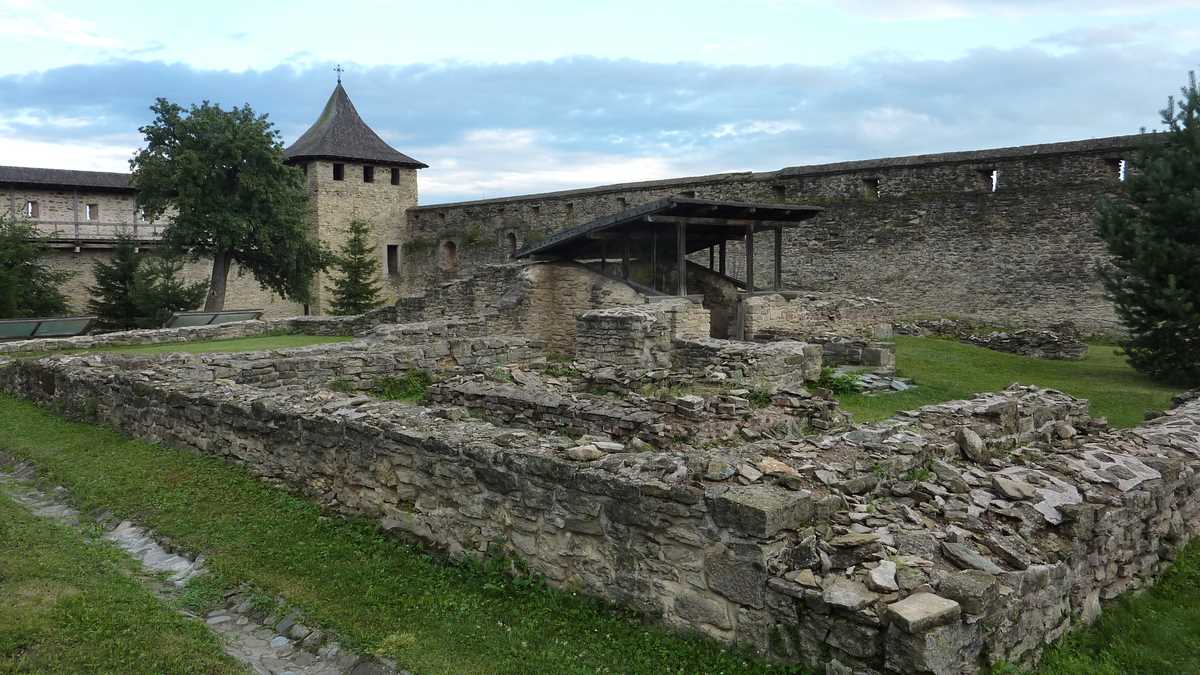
(92, 230)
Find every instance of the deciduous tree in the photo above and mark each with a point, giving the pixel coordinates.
(220, 175)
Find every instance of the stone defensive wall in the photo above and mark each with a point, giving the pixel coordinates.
(927, 233)
(938, 541)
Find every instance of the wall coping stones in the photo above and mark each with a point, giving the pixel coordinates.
(921, 611)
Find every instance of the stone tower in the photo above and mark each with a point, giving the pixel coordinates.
(351, 173)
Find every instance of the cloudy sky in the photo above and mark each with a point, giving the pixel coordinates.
(531, 95)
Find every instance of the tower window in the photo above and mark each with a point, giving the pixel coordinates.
(989, 180)
(512, 243)
(91, 212)
(870, 188)
(780, 191)
(1118, 167)
(393, 259)
(368, 174)
(395, 175)
(31, 209)
(339, 171)
(688, 194)
(622, 202)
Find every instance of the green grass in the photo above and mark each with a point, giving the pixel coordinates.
(374, 592)
(1157, 631)
(945, 370)
(71, 604)
(249, 344)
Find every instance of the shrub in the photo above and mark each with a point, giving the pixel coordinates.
(410, 387)
(839, 384)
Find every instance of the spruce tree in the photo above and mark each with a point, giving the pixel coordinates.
(1154, 238)
(137, 291)
(355, 289)
(111, 300)
(29, 288)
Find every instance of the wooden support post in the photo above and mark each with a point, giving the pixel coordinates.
(625, 260)
(750, 259)
(721, 257)
(654, 259)
(712, 264)
(779, 257)
(681, 256)
(604, 256)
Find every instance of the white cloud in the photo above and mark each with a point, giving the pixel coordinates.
(497, 162)
(888, 123)
(754, 128)
(29, 117)
(28, 20)
(906, 10)
(104, 154)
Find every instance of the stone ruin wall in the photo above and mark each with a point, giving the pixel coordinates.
(359, 324)
(851, 330)
(935, 240)
(940, 540)
(540, 300)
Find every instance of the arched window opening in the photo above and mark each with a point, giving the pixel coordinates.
(448, 256)
(511, 238)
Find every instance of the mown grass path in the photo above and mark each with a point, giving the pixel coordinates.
(70, 603)
(375, 593)
(944, 370)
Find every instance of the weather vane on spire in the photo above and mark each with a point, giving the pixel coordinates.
(339, 70)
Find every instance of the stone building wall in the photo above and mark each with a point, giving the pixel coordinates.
(333, 205)
(926, 232)
(540, 300)
(243, 292)
(989, 556)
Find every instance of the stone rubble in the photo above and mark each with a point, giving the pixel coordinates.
(940, 540)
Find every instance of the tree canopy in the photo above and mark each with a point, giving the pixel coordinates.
(355, 287)
(1153, 235)
(28, 286)
(220, 175)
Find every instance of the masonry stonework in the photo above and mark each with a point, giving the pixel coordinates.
(926, 233)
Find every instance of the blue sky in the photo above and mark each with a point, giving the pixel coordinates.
(523, 96)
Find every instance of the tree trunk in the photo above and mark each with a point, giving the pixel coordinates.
(216, 286)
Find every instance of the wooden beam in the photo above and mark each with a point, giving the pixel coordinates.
(699, 220)
(681, 256)
(625, 261)
(779, 258)
(721, 257)
(712, 263)
(750, 259)
(654, 259)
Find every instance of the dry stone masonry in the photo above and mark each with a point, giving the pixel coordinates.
(938, 541)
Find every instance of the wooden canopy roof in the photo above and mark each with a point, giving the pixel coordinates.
(707, 223)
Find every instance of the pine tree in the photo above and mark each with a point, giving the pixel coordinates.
(355, 289)
(1154, 239)
(28, 286)
(110, 299)
(134, 291)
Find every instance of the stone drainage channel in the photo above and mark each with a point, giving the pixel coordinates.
(281, 648)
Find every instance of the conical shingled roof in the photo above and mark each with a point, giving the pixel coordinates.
(339, 133)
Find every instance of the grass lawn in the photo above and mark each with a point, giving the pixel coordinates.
(249, 344)
(945, 370)
(1157, 631)
(70, 604)
(374, 592)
